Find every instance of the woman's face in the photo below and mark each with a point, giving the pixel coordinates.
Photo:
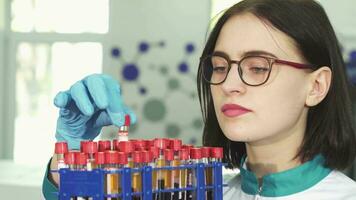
(268, 112)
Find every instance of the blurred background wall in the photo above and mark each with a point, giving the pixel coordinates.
(151, 47)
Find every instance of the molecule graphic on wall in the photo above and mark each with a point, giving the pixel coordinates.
(154, 109)
(351, 67)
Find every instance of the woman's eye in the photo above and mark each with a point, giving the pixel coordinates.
(258, 70)
(220, 69)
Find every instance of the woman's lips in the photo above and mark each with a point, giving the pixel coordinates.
(233, 110)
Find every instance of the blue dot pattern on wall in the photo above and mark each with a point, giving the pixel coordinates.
(143, 47)
(130, 72)
(154, 108)
(115, 52)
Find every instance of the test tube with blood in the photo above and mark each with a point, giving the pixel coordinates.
(216, 155)
(100, 159)
(81, 163)
(176, 145)
(195, 158)
(112, 180)
(168, 176)
(184, 160)
(208, 171)
(154, 152)
(90, 149)
(136, 175)
(126, 147)
(161, 144)
(60, 149)
(69, 158)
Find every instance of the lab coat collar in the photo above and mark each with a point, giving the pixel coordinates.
(286, 182)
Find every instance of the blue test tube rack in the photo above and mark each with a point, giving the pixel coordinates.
(75, 183)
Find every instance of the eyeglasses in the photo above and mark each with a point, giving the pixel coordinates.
(253, 70)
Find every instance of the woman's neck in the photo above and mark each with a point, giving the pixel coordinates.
(272, 157)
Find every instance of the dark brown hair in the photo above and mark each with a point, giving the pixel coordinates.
(329, 130)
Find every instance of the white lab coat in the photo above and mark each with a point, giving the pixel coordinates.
(334, 186)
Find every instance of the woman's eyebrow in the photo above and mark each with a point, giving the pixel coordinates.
(258, 53)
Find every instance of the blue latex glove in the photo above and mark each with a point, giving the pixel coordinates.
(87, 106)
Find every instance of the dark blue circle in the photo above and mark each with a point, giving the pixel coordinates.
(115, 52)
(162, 43)
(353, 55)
(143, 90)
(143, 47)
(193, 140)
(130, 72)
(183, 67)
(190, 48)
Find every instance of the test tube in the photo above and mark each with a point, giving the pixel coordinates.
(168, 176)
(195, 158)
(208, 171)
(60, 149)
(136, 176)
(176, 146)
(69, 158)
(100, 159)
(184, 159)
(81, 163)
(124, 130)
(216, 155)
(161, 144)
(126, 147)
(112, 180)
(154, 152)
(104, 145)
(91, 148)
(123, 162)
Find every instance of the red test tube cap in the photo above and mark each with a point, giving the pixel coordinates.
(154, 151)
(205, 152)
(127, 120)
(125, 146)
(61, 148)
(161, 143)
(176, 144)
(195, 153)
(147, 157)
(91, 147)
(81, 158)
(69, 157)
(139, 145)
(137, 156)
(104, 145)
(184, 154)
(111, 157)
(100, 158)
(216, 152)
(115, 145)
(122, 158)
(83, 145)
(168, 154)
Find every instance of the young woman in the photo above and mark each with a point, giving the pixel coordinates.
(274, 94)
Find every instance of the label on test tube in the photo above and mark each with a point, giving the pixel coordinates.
(124, 130)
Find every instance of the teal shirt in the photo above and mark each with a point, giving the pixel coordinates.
(48, 188)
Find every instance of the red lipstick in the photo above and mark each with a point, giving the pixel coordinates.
(233, 110)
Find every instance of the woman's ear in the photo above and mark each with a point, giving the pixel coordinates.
(319, 84)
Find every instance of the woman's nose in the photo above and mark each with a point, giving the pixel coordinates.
(233, 82)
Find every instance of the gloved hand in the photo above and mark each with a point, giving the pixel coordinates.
(87, 106)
